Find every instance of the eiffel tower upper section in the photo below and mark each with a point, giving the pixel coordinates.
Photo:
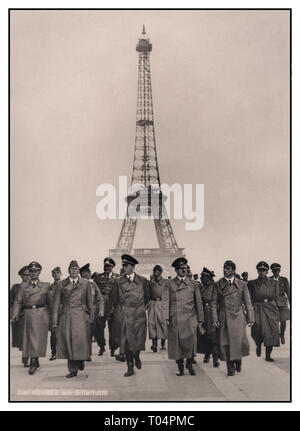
(145, 171)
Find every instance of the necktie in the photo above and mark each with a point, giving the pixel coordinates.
(73, 281)
(229, 281)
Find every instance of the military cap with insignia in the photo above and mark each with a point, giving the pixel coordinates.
(34, 265)
(230, 263)
(57, 268)
(206, 271)
(73, 264)
(109, 261)
(275, 266)
(126, 258)
(85, 268)
(180, 261)
(262, 265)
(23, 270)
(157, 268)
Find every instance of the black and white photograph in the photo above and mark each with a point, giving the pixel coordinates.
(149, 205)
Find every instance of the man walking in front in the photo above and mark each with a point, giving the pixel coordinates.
(131, 291)
(229, 300)
(183, 313)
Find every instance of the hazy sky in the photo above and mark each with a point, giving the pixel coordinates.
(220, 82)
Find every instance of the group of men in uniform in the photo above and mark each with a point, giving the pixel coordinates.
(195, 317)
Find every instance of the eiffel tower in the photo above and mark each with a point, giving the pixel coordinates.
(145, 172)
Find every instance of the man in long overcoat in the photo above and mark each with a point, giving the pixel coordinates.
(208, 341)
(157, 326)
(183, 313)
(32, 298)
(56, 274)
(132, 292)
(230, 301)
(264, 296)
(284, 298)
(105, 282)
(74, 329)
(17, 327)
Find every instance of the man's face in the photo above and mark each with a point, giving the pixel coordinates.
(276, 272)
(128, 269)
(74, 271)
(228, 271)
(181, 271)
(262, 273)
(56, 274)
(86, 274)
(25, 276)
(206, 279)
(107, 268)
(34, 274)
(156, 273)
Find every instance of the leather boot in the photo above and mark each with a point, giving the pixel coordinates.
(238, 366)
(282, 331)
(180, 365)
(129, 359)
(216, 363)
(81, 366)
(101, 351)
(25, 362)
(268, 354)
(138, 362)
(189, 366)
(206, 358)
(33, 366)
(154, 345)
(230, 368)
(258, 350)
(163, 344)
(120, 357)
(112, 352)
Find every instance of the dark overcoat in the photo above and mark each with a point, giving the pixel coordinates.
(105, 285)
(156, 324)
(36, 320)
(74, 329)
(284, 298)
(264, 295)
(182, 306)
(210, 336)
(51, 295)
(133, 298)
(16, 327)
(229, 304)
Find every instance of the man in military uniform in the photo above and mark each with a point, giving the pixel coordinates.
(208, 341)
(229, 304)
(17, 327)
(132, 292)
(98, 301)
(33, 298)
(105, 282)
(183, 313)
(264, 296)
(56, 274)
(157, 326)
(284, 298)
(74, 329)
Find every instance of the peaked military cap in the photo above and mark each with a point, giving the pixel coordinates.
(126, 258)
(230, 263)
(57, 268)
(73, 263)
(180, 261)
(262, 265)
(23, 270)
(245, 274)
(275, 266)
(85, 268)
(206, 271)
(109, 261)
(157, 268)
(34, 265)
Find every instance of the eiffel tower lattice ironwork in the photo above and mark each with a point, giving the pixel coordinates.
(145, 172)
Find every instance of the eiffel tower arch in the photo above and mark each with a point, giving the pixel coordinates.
(145, 172)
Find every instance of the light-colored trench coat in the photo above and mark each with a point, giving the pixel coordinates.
(74, 329)
(182, 306)
(228, 305)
